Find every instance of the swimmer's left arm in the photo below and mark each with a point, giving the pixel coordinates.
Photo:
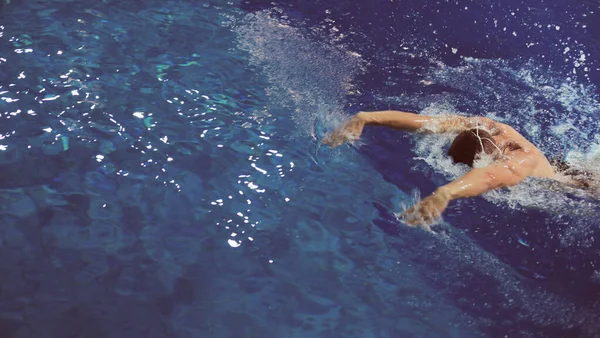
(481, 180)
(474, 183)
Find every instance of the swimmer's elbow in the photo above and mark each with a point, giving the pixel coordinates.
(508, 180)
(496, 179)
(493, 181)
(481, 120)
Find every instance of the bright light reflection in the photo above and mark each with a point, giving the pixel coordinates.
(51, 98)
(3, 147)
(233, 243)
(259, 169)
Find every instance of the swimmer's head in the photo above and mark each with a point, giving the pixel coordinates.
(469, 145)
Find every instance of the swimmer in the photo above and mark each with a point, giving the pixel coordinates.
(513, 158)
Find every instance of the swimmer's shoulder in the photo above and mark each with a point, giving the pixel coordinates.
(514, 140)
(457, 123)
(505, 129)
(490, 125)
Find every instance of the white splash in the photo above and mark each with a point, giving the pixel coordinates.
(309, 76)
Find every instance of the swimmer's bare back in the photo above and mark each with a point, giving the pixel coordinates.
(512, 144)
(515, 159)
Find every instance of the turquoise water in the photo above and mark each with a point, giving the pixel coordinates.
(162, 176)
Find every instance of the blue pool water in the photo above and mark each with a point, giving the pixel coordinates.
(161, 173)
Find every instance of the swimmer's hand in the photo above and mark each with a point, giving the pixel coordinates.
(429, 210)
(349, 131)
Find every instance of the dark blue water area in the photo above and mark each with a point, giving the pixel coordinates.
(161, 174)
(477, 29)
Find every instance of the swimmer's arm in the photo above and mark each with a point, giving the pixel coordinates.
(456, 124)
(476, 182)
(421, 123)
(481, 180)
(395, 119)
(353, 128)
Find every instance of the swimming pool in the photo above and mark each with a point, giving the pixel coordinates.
(162, 175)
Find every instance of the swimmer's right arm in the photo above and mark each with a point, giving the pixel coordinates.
(411, 122)
(456, 124)
(421, 123)
(395, 119)
(352, 129)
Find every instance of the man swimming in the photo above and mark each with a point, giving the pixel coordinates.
(513, 158)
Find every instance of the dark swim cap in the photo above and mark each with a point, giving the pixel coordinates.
(468, 144)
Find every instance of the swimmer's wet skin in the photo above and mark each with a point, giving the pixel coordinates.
(513, 158)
